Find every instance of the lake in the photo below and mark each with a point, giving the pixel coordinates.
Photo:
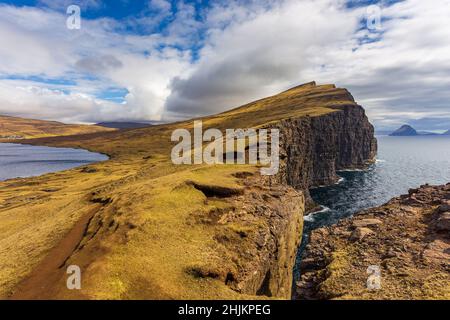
(402, 163)
(18, 161)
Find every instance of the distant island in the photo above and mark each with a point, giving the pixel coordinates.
(408, 131)
(405, 130)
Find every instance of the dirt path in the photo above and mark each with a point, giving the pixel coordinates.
(45, 281)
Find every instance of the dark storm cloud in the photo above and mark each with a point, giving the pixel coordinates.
(98, 65)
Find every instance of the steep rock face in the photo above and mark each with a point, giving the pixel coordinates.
(266, 255)
(312, 149)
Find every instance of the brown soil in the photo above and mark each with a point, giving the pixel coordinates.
(43, 282)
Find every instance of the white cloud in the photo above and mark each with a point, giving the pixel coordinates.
(250, 49)
(37, 43)
(160, 5)
(260, 54)
(24, 99)
(403, 76)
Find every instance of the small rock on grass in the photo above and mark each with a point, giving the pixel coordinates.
(443, 222)
(360, 233)
(366, 222)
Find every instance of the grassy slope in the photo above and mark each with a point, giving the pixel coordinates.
(152, 239)
(28, 128)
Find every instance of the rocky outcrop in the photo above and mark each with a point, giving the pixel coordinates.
(257, 230)
(407, 241)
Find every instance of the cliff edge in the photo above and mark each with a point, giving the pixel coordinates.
(140, 227)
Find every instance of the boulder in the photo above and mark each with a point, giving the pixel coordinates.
(443, 222)
(445, 207)
(437, 252)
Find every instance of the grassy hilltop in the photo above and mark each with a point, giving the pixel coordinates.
(12, 127)
(139, 226)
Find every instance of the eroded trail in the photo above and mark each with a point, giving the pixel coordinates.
(45, 280)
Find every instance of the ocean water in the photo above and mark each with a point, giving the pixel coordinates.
(18, 161)
(402, 163)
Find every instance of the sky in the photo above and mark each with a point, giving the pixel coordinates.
(160, 60)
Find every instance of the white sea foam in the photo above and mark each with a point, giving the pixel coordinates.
(310, 217)
(341, 179)
(351, 170)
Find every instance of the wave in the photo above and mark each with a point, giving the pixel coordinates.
(340, 180)
(310, 217)
(351, 170)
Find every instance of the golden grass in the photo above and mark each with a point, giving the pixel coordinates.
(29, 128)
(147, 240)
(166, 243)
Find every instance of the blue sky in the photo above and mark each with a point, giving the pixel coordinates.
(170, 60)
(124, 13)
(114, 9)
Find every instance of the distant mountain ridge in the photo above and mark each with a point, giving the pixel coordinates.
(123, 125)
(20, 128)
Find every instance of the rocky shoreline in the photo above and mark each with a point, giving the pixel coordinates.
(407, 240)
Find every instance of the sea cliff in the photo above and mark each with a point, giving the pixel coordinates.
(313, 149)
